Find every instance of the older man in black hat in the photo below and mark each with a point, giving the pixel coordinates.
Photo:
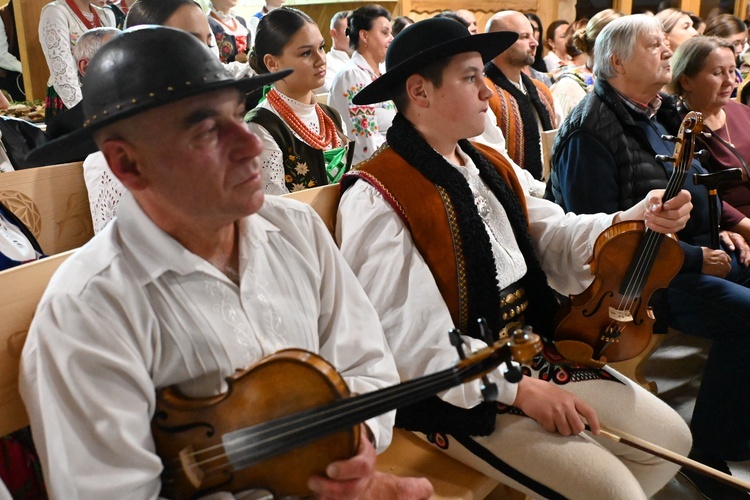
(441, 233)
(198, 277)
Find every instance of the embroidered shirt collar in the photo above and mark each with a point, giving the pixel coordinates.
(159, 253)
(362, 63)
(224, 16)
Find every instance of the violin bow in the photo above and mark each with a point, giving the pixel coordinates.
(670, 456)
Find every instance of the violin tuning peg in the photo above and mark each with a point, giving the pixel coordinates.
(701, 155)
(670, 138)
(457, 342)
(489, 390)
(664, 158)
(484, 330)
(513, 374)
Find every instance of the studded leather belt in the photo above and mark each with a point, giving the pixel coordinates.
(513, 303)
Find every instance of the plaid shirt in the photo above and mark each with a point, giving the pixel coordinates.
(648, 110)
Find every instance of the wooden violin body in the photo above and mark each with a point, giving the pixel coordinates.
(289, 416)
(284, 383)
(601, 324)
(611, 320)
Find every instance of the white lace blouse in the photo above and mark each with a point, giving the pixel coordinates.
(59, 30)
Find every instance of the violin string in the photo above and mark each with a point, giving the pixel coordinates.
(641, 272)
(301, 424)
(651, 248)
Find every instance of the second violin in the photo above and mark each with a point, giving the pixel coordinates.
(611, 320)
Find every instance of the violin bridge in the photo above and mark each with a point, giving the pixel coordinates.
(191, 469)
(623, 316)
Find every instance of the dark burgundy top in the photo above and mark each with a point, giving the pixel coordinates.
(737, 128)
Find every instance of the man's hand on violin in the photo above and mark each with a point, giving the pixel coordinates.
(356, 478)
(555, 409)
(716, 262)
(668, 217)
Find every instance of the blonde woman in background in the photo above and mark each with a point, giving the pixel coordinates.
(678, 26)
(574, 82)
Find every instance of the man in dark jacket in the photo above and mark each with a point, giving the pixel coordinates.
(604, 161)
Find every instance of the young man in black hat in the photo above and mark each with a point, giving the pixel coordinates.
(441, 233)
(196, 278)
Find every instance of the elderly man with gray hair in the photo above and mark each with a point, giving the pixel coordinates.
(603, 161)
(89, 44)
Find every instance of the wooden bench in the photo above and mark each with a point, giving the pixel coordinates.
(21, 288)
(52, 202)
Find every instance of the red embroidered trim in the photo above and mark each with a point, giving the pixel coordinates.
(96, 23)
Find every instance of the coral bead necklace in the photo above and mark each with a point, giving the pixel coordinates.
(328, 135)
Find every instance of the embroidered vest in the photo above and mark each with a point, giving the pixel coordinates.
(297, 152)
(508, 114)
(426, 212)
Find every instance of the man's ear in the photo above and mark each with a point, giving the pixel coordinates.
(82, 65)
(617, 63)
(122, 159)
(417, 89)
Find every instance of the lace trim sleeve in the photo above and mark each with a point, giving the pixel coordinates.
(272, 162)
(54, 35)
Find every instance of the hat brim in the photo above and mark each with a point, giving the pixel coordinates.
(80, 143)
(489, 46)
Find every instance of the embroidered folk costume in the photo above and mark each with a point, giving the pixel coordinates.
(232, 36)
(304, 144)
(366, 125)
(424, 235)
(520, 113)
(61, 23)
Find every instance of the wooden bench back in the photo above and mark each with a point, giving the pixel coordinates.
(52, 202)
(21, 288)
(323, 199)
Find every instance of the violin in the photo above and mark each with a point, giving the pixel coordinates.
(611, 319)
(290, 415)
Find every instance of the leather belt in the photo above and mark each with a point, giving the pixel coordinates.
(513, 303)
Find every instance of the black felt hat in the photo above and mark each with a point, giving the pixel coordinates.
(424, 43)
(138, 70)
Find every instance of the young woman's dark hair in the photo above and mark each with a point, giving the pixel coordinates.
(724, 26)
(275, 29)
(399, 23)
(449, 14)
(154, 11)
(539, 63)
(361, 19)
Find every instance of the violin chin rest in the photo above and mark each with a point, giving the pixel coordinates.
(580, 352)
